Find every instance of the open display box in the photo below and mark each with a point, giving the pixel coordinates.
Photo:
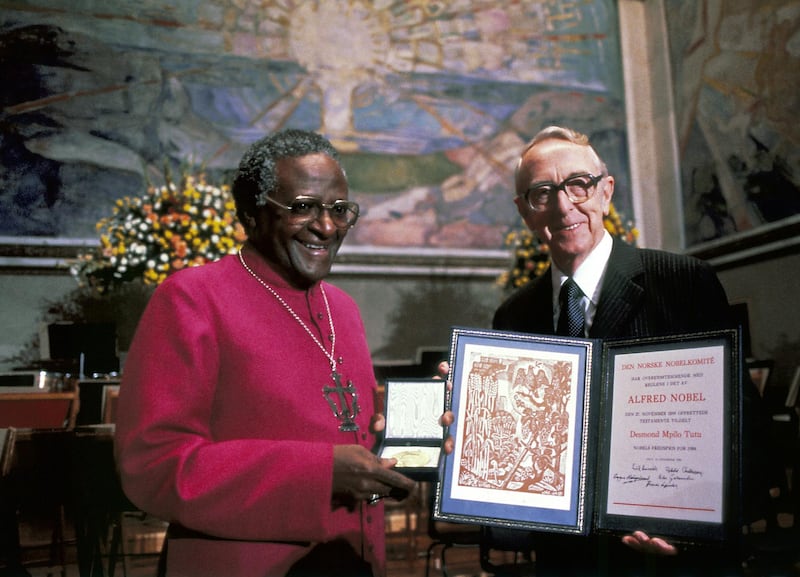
(413, 434)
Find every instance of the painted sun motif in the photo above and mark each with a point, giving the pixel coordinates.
(429, 100)
(417, 77)
(338, 68)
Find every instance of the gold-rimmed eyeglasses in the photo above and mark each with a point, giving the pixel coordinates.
(579, 188)
(344, 213)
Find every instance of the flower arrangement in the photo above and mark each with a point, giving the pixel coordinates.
(532, 256)
(169, 228)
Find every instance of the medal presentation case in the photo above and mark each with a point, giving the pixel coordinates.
(413, 434)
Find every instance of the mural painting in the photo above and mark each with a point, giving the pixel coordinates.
(736, 70)
(430, 102)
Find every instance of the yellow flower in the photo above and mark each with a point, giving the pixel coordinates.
(168, 228)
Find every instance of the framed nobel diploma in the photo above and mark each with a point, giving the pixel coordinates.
(670, 436)
(413, 434)
(523, 450)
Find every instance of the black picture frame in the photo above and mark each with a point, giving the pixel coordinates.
(670, 436)
(760, 371)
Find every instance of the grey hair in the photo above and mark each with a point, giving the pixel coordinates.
(561, 133)
(257, 178)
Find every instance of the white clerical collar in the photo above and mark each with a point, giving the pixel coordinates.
(589, 276)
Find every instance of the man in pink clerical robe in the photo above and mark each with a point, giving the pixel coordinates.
(246, 412)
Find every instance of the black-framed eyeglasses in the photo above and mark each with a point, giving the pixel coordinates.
(344, 213)
(578, 188)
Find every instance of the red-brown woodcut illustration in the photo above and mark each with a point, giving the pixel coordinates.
(516, 427)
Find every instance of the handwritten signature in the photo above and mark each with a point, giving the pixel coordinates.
(652, 475)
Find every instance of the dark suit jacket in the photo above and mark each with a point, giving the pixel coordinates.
(645, 293)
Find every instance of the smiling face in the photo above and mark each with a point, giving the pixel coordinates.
(302, 253)
(571, 230)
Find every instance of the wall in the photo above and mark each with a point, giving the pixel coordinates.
(22, 299)
(769, 289)
(401, 312)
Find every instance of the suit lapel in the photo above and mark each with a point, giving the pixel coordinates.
(622, 292)
(539, 313)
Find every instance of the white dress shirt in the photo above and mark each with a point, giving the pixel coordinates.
(589, 278)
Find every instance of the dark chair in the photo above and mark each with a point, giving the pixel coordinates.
(775, 550)
(92, 395)
(507, 552)
(100, 503)
(110, 398)
(447, 535)
(35, 409)
(35, 495)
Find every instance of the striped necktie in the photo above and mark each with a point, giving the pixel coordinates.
(571, 319)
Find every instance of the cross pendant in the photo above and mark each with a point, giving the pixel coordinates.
(345, 413)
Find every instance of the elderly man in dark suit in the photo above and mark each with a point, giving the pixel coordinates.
(563, 191)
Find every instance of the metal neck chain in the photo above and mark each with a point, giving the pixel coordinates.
(331, 355)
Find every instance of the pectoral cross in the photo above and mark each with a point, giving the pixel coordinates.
(345, 413)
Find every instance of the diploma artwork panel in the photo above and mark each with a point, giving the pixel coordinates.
(517, 411)
(520, 432)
